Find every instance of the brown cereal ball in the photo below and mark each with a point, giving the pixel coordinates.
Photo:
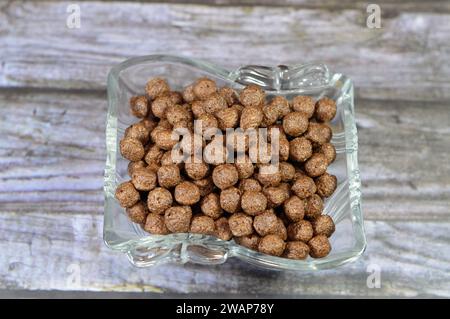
(227, 118)
(164, 124)
(153, 166)
(304, 186)
(154, 155)
(175, 97)
(301, 230)
(313, 207)
(214, 103)
(223, 229)
(253, 203)
(252, 96)
(164, 140)
(154, 224)
(126, 194)
(188, 94)
(319, 246)
(139, 106)
(281, 104)
(160, 105)
(304, 104)
(169, 176)
(296, 250)
(294, 208)
(158, 200)
(205, 185)
(197, 108)
(316, 165)
(300, 149)
(244, 167)
(250, 241)
(144, 179)
(270, 115)
(279, 127)
(318, 133)
(325, 110)
(268, 177)
(208, 122)
(323, 225)
(287, 171)
(284, 149)
(271, 245)
(178, 218)
(176, 113)
(329, 151)
(196, 171)
(240, 224)
(204, 87)
(225, 175)
(135, 165)
(326, 185)
(265, 223)
(187, 193)
(295, 124)
(281, 230)
(249, 184)
(131, 149)
(275, 195)
(210, 206)
(230, 199)
(168, 159)
(238, 107)
(157, 87)
(229, 95)
(251, 117)
(137, 213)
(148, 123)
(202, 224)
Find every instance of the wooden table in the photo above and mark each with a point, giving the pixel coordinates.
(52, 150)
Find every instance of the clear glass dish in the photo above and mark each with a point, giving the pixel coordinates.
(344, 206)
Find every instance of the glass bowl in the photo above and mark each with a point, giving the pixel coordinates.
(344, 206)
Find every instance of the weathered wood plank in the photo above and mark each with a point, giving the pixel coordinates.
(52, 155)
(406, 59)
(41, 251)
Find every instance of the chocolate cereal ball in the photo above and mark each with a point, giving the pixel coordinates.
(300, 149)
(204, 87)
(301, 230)
(160, 105)
(252, 96)
(135, 165)
(205, 185)
(296, 250)
(267, 177)
(319, 246)
(240, 224)
(318, 133)
(158, 200)
(225, 175)
(169, 176)
(202, 224)
(187, 193)
(265, 223)
(313, 207)
(137, 213)
(270, 115)
(154, 224)
(131, 149)
(326, 185)
(154, 155)
(126, 194)
(250, 241)
(329, 151)
(188, 94)
(227, 118)
(323, 225)
(304, 186)
(275, 195)
(229, 95)
(316, 165)
(251, 117)
(244, 167)
(178, 219)
(294, 208)
(281, 105)
(287, 171)
(249, 184)
(284, 149)
(144, 179)
(208, 121)
(223, 229)
(196, 171)
(139, 106)
(164, 140)
(197, 109)
(295, 124)
(325, 110)
(157, 87)
(230, 199)
(210, 206)
(304, 104)
(271, 245)
(138, 131)
(176, 113)
(281, 230)
(214, 103)
(253, 203)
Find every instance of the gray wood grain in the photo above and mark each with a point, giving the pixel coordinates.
(405, 59)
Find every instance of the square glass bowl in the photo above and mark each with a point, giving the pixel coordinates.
(344, 206)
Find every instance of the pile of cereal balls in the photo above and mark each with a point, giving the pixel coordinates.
(279, 214)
